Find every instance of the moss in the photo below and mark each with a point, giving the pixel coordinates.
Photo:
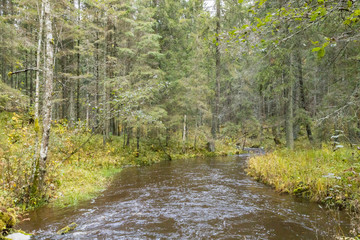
(2, 225)
(67, 229)
(8, 218)
(301, 190)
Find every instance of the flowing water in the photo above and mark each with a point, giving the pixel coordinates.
(209, 198)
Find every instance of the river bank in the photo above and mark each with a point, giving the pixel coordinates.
(196, 198)
(76, 171)
(320, 175)
(325, 176)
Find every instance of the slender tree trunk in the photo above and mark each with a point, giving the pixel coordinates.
(38, 54)
(47, 105)
(31, 90)
(105, 98)
(26, 73)
(138, 131)
(289, 114)
(87, 111)
(64, 105)
(78, 70)
(218, 65)
(97, 81)
(78, 87)
(167, 138)
(184, 134)
(72, 104)
(129, 133)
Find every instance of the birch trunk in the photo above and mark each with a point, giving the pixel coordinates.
(184, 135)
(38, 53)
(47, 106)
(35, 167)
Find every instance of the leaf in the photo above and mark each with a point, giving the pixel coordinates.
(316, 49)
(321, 53)
(315, 43)
(314, 16)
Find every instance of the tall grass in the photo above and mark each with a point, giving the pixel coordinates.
(321, 175)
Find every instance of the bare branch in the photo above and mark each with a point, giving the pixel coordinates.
(24, 70)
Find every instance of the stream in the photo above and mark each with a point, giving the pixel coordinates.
(204, 198)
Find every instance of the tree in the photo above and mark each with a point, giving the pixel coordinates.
(47, 102)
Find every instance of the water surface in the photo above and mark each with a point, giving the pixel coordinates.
(189, 199)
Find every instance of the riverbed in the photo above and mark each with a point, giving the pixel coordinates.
(204, 198)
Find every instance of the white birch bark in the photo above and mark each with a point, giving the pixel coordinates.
(47, 105)
(38, 53)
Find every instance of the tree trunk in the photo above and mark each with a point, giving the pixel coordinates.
(72, 104)
(184, 135)
(31, 83)
(138, 131)
(105, 98)
(289, 114)
(87, 111)
(47, 105)
(129, 133)
(34, 178)
(38, 53)
(218, 67)
(78, 69)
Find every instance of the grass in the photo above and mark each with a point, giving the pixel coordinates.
(75, 178)
(80, 184)
(12, 99)
(321, 175)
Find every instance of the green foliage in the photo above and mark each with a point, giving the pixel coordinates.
(11, 99)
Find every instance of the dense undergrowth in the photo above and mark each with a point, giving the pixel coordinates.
(75, 171)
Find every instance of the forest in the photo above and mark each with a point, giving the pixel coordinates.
(90, 86)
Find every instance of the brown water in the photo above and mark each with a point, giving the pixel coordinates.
(189, 199)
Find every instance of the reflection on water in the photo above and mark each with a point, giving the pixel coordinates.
(189, 199)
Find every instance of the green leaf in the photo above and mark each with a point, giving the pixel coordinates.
(321, 53)
(315, 43)
(314, 16)
(316, 49)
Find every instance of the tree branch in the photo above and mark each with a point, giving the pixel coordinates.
(24, 70)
